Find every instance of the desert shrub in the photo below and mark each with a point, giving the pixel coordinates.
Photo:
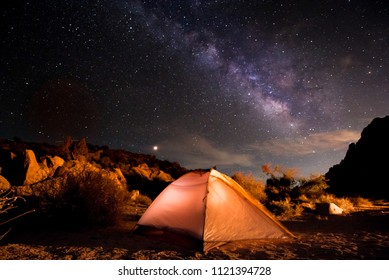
(343, 202)
(280, 183)
(283, 184)
(279, 171)
(87, 199)
(8, 202)
(310, 189)
(143, 199)
(361, 202)
(251, 184)
(286, 209)
(286, 193)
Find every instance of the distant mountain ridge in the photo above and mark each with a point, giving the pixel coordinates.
(365, 168)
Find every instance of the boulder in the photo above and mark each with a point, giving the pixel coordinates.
(4, 184)
(120, 177)
(162, 176)
(34, 172)
(52, 163)
(142, 171)
(134, 194)
(117, 176)
(151, 174)
(38, 171)
(149, 181)
(328, 209)
(77, 168)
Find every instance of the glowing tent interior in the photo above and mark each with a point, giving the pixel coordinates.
(211, 208)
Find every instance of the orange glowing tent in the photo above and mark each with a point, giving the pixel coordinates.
(212, 208)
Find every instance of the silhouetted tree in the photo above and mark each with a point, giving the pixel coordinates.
(312, 188)
(280, 183)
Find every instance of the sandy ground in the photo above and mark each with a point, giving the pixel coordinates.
(363, 234)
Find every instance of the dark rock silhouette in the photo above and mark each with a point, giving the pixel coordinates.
(363, 171)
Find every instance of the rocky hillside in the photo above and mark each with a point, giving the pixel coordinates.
(28, 164)
(364, 170)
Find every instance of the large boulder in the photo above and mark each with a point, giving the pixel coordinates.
(142, 171)
(149, 181)
(79, 168)
(118, 175)
(38, 171)
(81, 171)
(75, 167)
(162, 176)
(34, 172)
(52, 163)
(134, 194)
(150, 174)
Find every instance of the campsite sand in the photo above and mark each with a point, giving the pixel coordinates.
(363, 234)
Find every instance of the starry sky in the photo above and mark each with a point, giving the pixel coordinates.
(235, 84)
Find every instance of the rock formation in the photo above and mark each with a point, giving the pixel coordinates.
(150, 181)
(32, 164)
(36, 172)
(4, 184)
(77, 168)
(364, 169)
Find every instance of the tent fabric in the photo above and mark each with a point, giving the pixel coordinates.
(213, 208)
(180, 206)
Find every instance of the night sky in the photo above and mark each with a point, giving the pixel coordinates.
(234, 84)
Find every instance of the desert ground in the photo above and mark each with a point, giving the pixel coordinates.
(362, 234)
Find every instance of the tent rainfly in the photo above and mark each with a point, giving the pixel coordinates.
(211, 207)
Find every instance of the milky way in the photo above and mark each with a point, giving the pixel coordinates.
(234, 84)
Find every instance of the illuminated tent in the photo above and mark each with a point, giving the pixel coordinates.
(212, 208)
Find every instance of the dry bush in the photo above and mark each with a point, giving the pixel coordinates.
(8, 202)
(87, 199)
(279, 171)
(311, 188)
(347, 204)
(143, 199)
(286, 210)
(343, 202)
(361, 202)
(255, 187)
